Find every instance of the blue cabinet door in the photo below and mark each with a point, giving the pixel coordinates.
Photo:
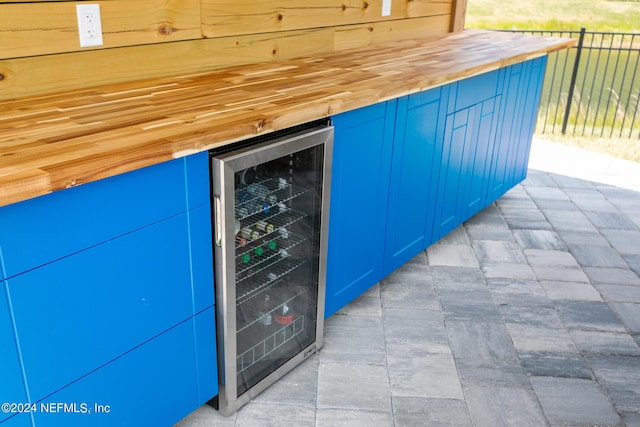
(414, 176)
(359, 197)
(516, 124)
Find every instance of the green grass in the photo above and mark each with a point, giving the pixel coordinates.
(596, 15)
(601, 112)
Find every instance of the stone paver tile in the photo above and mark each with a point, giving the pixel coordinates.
(610, 220)
(503, 406)
(620, 293)
(627, 242)
(348, 417)
(569, 220)
(574, 401)
(592, 201)
(561, 274)
(432, 375)
(492, 252)
(364, 305)
(404, 291)
(612, 276)
(353, 386)
(569, 183)
(456, 277)
(517, 292)
(545, 316)
(630, 315)
(298, 387)
(591, 342)
(507, 270)
(526, 218)
(593, 238)
(597, 256)
(482, 232)
(458, 236)
(545, 204)
(452, 256)
(545, 192)
(550, 258)
(571, 291)
(415, 332)
(620, 377)
(538, 239)
(207, 416)
(555, 364)
(491, 372)
(589, 316)
(258, 414)
(631, 419)
(479, 340)
(536, 178)
(473, 305)
(634, 263)
(353, 339)
(416, 411)
(530, 338)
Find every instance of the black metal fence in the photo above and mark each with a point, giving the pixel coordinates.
(592, 89)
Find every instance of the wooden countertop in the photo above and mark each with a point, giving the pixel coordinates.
(58, 141)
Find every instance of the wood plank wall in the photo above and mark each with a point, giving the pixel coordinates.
(40, 52)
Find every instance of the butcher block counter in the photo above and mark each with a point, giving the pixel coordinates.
(58, 141)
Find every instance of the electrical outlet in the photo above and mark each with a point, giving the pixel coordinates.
(386, 7)
(89, 25)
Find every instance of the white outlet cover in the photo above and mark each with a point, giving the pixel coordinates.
(386, 7)
(89, 25)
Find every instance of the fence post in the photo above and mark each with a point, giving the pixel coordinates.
(574, 75)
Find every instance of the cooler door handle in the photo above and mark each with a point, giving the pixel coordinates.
(218, 214)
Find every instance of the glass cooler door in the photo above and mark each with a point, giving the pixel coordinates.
(270, 245)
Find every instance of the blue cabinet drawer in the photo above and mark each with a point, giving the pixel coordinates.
(47, 228)
(475, 89)
(12, 389)
(83, 311)
(154, 384)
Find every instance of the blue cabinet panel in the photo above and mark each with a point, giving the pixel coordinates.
(19, 420)
(201, 254)
(206, 355)
(41, 230)
(155, 384)
(359, 197)
(448, 213)
(80, 312)
(12, 387)
(197, 179)
(414, 176)
(474, 90)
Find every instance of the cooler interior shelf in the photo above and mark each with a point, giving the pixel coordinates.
(270, 344)
(264, 196)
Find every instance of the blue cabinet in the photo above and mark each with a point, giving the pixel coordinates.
(516, 124)
(407, 172)
(359, 197)
(414, 175)
(108, 297)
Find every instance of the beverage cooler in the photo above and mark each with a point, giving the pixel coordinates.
(270, 201)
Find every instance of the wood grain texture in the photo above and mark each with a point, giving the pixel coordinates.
(458, 15)
(222, 18)
(40, 75)
(52, 142)
(33, 29)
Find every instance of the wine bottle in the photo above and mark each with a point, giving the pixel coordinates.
(265, 311)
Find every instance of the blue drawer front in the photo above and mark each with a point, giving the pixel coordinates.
(41, 230)
(475, 89)
(154, 384)
(12, 389)
(87, 309)
(206, 355)
(201, 257)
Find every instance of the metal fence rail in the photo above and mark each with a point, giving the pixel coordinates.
(592, 89)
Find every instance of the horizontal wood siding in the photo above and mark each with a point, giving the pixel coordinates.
(40, 51)
(46, 28)
(230, 17)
